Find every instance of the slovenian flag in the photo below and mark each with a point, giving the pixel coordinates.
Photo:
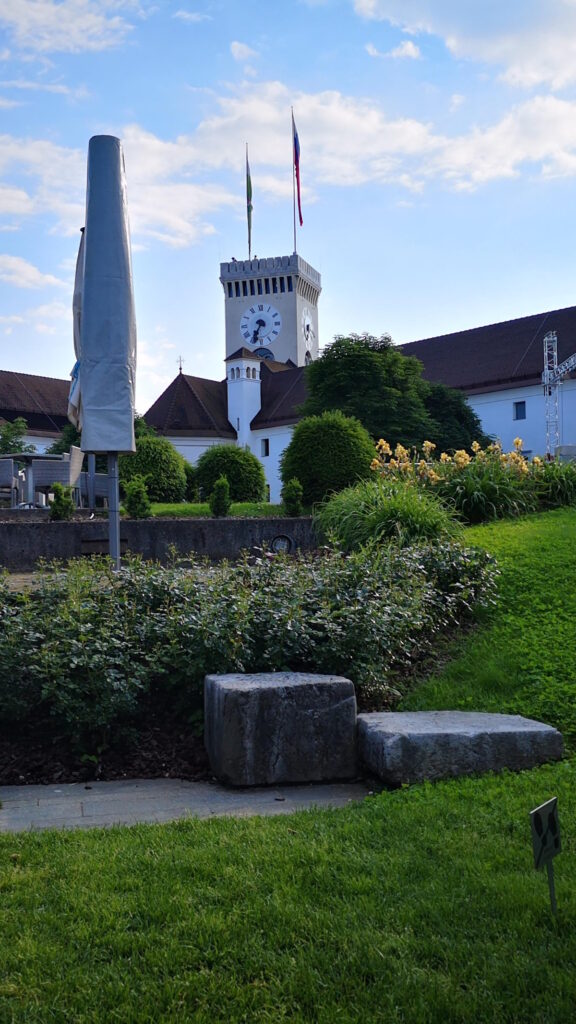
(249, 203)
(297, 168)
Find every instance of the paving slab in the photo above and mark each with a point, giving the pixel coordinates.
(99, 804)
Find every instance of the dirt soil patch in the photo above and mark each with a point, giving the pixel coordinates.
(165, 750)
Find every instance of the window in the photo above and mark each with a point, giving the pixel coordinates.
(244, 288)
(237, 289)
(265, 447)
(229, 289)
(289, 282)
(519, 412)
(252, 289)
(259, 286)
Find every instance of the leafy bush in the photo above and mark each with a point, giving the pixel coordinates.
(62, 506)
(383, 510)
(136, 500)
(92, 651)
(191, 482)
(326, 454)
(160, 465)
(241, 468)
(220, 498)
(292, 497)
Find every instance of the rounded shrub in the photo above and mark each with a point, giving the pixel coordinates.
(292, 497)
(62, 506)
(326, 454)
(382, 510)
(160, 465)
(220, 498)
(136, 500)
(241, 468)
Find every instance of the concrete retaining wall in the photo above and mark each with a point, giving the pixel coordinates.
(23, 543)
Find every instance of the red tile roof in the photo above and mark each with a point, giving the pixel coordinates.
(42, 401)
(192, 405)
(498, 356)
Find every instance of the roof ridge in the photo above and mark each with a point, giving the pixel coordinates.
(199, 400)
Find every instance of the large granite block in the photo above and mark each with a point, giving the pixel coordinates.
(275, 727)
(400, 747)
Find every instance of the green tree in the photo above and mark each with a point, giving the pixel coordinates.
(12, 437)
(456, 425)
(160, 465)
(136, 500)
(371, 379)
(241, 468)
(69, 436)
(326, 453)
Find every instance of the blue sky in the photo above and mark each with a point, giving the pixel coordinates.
(438, 157)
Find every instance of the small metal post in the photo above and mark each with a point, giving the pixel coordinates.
(114, 509)
(91, 481)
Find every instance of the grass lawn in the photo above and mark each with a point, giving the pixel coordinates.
(417, 906)
(238, 509)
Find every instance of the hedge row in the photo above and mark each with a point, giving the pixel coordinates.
(88, 652)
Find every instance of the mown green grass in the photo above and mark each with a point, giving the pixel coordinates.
(524, 660)
(418, 906)
(238, 509)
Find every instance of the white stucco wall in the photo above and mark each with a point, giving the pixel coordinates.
(496, 412)
(193, 447)
(278, 439)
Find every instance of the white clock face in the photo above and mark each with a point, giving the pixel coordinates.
(307, 326)
(260, 323)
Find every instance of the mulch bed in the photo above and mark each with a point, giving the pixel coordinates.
(164, 750)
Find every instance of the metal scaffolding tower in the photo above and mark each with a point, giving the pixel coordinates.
(552, 375)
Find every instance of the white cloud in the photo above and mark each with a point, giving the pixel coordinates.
(456, 101)
(406, 49)
(532, 43)
(19, 272)
(68, 26)
(177, 187)
(53, 87)
(242, 52)
(192, 16)
(8, 104)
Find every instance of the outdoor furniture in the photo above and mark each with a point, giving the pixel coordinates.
(100, 489)
(9, 481)
(46, 471)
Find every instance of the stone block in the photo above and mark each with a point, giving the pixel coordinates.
(276, 727)
(405, 747)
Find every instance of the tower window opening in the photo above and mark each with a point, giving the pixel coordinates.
(237, 289)
(282, 284)
(230, 292)
(259, 286)
(267, 285)
(244, 288)
(252, 289)
(289, 282)
(274, 285)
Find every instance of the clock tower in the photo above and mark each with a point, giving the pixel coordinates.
(272, 308)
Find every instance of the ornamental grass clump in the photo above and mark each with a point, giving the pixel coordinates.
(485, 484)
(386, 509)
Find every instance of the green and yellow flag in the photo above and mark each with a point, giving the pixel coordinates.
(249, 204)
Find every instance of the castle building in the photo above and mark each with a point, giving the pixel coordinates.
(271, 334)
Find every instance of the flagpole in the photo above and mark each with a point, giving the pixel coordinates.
(293, 180)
